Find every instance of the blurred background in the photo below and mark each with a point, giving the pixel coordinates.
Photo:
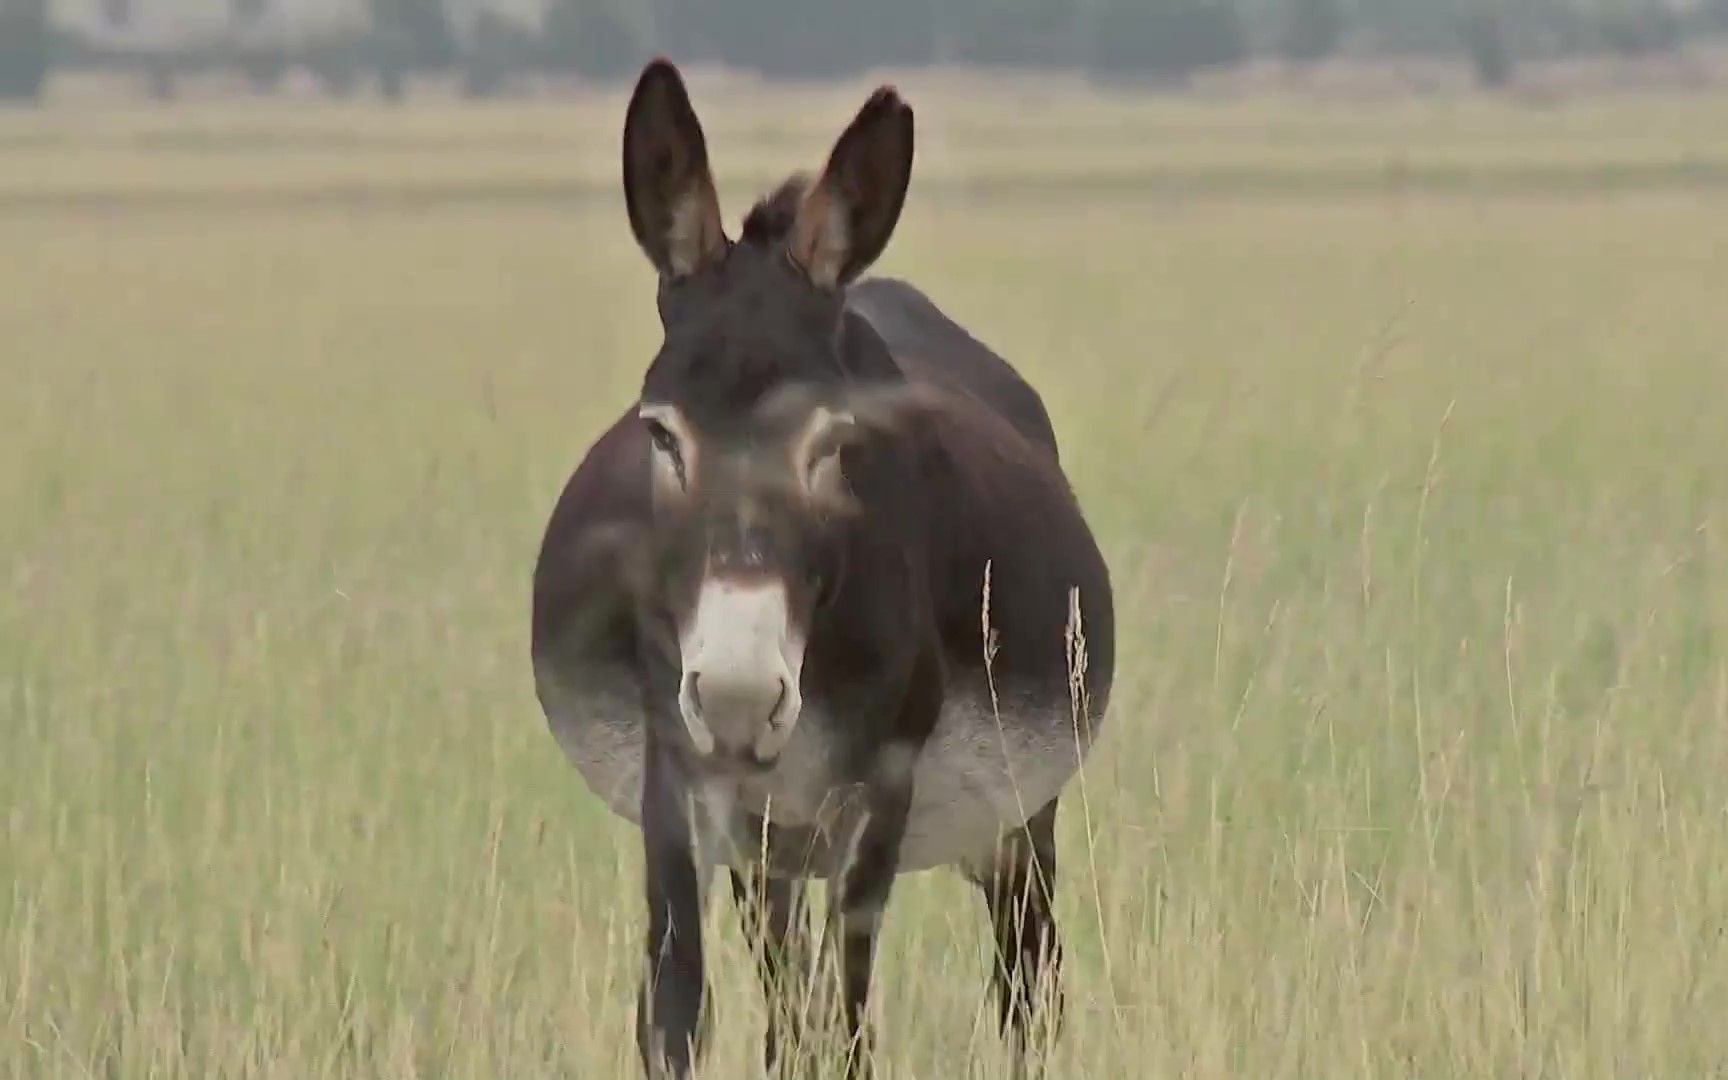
(489, 48)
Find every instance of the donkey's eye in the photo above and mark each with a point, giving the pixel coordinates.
(667, 444)
(824, 456)
(663, 438)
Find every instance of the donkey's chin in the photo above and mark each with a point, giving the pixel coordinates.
(736, 764)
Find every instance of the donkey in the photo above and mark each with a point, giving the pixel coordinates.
(821, 604)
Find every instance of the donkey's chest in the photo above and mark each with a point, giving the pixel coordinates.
(985, 768)
(983, 771)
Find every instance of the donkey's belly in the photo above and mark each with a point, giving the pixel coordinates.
(983, 771)
(596, 715)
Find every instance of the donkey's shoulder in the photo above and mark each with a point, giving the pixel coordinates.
(929, 346)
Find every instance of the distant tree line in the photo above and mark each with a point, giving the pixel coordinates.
(1147, 40)
(26, 51)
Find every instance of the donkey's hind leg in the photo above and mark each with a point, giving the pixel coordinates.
(1019, 885)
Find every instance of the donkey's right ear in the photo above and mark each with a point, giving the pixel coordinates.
(668, 189)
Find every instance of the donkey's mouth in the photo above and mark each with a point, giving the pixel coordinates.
(737, 764)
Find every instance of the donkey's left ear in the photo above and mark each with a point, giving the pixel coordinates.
(849, 214)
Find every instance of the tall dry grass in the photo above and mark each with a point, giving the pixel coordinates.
(1413, 504)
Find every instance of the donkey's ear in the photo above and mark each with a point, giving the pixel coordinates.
(849, 214)
(668, 189)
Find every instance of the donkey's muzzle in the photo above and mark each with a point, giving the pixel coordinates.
(740, 719)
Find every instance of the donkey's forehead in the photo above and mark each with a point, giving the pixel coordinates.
(751, 282)
(725, 382)
(737, 333)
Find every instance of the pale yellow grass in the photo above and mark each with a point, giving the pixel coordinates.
(1414, 509)
(124, 153)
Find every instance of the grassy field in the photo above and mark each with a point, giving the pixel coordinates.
(1414, 496)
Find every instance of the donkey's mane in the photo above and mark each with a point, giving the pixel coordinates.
(771, 218)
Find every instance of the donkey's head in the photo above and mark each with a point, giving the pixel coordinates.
(745, 405)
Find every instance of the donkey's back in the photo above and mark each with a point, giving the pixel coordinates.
(928, 346)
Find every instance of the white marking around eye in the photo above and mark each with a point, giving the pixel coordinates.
(815, 458)
(670, 475)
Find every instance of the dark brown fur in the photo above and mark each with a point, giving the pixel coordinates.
(952, 473)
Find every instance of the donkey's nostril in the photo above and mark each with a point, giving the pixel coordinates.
(776, 715)
(731, 710)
